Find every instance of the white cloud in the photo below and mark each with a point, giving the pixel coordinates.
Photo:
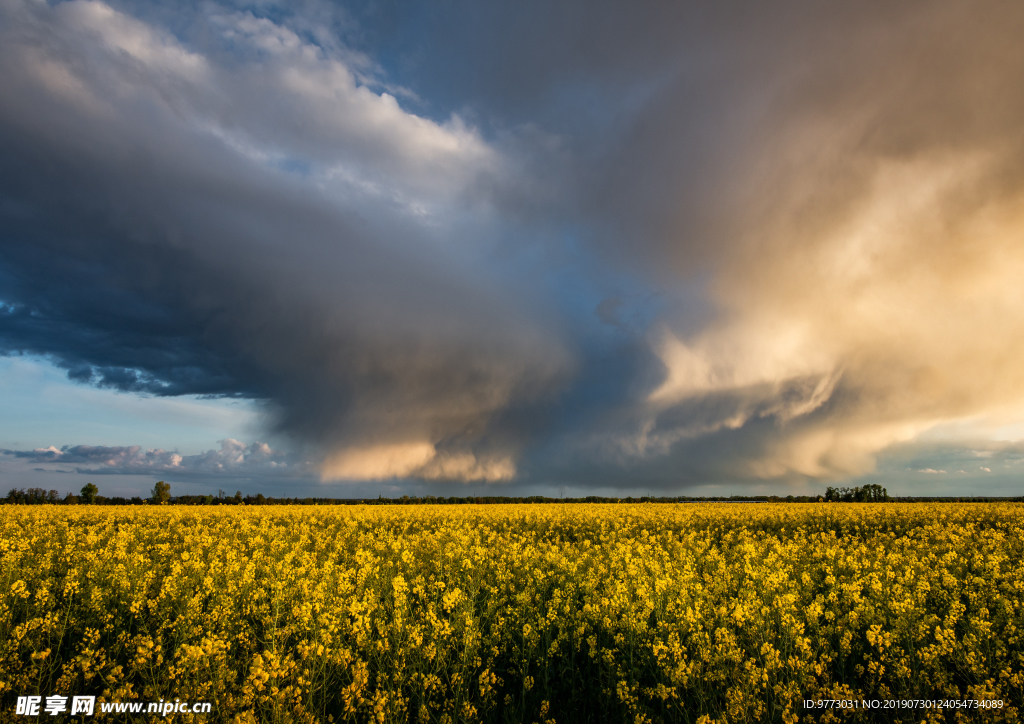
(282, 100)
(154, 49)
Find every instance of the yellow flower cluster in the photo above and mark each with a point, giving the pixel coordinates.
(520, 613)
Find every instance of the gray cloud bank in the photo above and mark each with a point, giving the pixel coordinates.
(581, 243)
(234, 459)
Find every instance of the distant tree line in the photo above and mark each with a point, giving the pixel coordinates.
(864, 494)
(89, 495)
(161, 495)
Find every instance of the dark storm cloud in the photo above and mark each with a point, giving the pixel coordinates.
(149, 246)
(574, 241)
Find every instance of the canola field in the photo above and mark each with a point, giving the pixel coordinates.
(522, 613)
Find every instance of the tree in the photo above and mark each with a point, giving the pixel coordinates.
(162, 493)
(89, 494)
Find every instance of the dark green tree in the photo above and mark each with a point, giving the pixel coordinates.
(162, 493)
(88, 495)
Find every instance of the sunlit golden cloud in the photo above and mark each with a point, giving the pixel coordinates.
(414, 460)
(900, 312)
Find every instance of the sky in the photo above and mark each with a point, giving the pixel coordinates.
(372, 248)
